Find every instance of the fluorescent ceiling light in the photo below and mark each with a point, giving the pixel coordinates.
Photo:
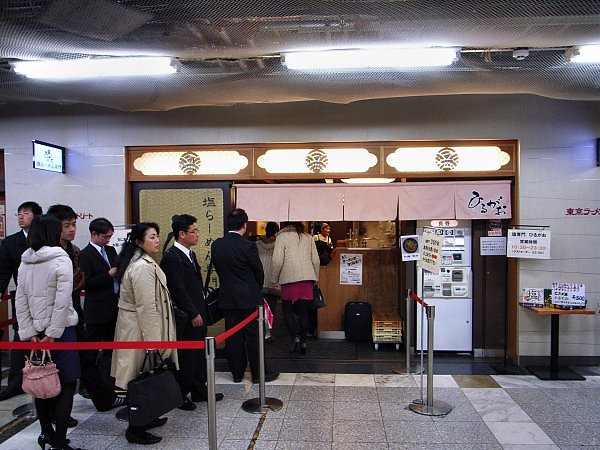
(375, 58)
(368, 180)
(97, 67)
(586, 54)
(191, 163)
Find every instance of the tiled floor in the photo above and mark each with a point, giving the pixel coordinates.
(354, 411)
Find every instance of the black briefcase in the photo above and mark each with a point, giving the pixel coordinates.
(213, 310)
(154, 392)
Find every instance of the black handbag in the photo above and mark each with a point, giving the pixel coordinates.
(318, 299)
(152, 393)
(211, 295)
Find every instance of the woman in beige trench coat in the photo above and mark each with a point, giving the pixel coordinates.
(145, 313)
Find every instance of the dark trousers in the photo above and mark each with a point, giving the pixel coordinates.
(192, 364)
(300, 308)
(243, 345)
(58, 408)
(100, 389)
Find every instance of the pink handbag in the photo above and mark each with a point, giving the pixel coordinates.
(40, 377)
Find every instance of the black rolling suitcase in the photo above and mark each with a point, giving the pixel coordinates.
(358, 321)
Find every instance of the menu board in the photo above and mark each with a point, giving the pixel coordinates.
(532, 297)
(351, 266)
(568, 294)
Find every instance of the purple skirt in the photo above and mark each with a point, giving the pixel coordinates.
(300, 290)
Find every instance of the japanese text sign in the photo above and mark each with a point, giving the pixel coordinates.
(533, 244)
(568, 294)
(351, 265)
(431, 249)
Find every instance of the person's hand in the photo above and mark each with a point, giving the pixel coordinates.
(197, 321)
(112, 272)
(34, 339)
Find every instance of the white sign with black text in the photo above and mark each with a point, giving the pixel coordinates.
(431, 250)
(492, 246)
(532, 244)
(351, 265)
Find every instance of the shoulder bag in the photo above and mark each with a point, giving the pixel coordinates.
(211, 295)
(40, 377)
(318, 299)
(154, 392)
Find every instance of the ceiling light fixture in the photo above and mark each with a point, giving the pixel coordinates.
(317, 160)
(370, 58)
(97, 67)
(444, 159)
(585, 54)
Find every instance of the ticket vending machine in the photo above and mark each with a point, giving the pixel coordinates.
(450, 291)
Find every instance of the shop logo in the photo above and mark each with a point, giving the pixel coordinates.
(189, 163)
(446, 159)
(316, 160)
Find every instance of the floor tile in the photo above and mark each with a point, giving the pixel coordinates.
(563, 433)
(312, 393)
(351, 379)
(352, 431)
(288, 379)
(514, 381)
(411, 432)
(501, 412)
(304, 445)
(306, 430)
(394, 380)
(519, 433)
(402, 413)
(356, 411)
(475, 381)
(315, 379)
(465, 433)
(355, 394)
(309, 410)
(242, 444)
(244, 428)
(438, 381)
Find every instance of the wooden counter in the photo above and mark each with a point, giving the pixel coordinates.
(379, 288)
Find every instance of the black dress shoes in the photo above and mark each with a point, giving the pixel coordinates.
(269, 376)
(141, 437)
(187, 405)
(237, 379)
(203, 398)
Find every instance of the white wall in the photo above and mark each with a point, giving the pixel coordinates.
(558, 166)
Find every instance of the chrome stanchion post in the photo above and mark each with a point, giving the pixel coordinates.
(431, 407)
(407, 369)
(257, 405)
(209, 352)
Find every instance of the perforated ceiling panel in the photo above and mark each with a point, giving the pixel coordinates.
(230, 50)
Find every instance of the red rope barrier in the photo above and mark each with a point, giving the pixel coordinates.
(124, 345)
(220, 338)
(415, 297)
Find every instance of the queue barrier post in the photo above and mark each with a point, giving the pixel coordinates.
(258, 405)
(430, 407)
(407, 368)
(209, 352)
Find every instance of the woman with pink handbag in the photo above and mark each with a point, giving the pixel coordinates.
(45, 313)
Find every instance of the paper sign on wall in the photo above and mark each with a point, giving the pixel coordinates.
(431, 250)
(533, 244)
(351, 268)
(410, 248)
(568, 294)
(118, 239)
(491, 246)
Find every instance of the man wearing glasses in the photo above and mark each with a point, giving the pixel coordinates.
(11, 250)
(184, 281)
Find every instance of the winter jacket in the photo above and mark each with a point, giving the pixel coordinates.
(265, 253)
(43, 300)
(145, 314)
(295, 258)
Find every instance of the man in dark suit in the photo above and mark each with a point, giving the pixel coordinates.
(241, 279)
(11, 249)
(98, 262)
(184, 281)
